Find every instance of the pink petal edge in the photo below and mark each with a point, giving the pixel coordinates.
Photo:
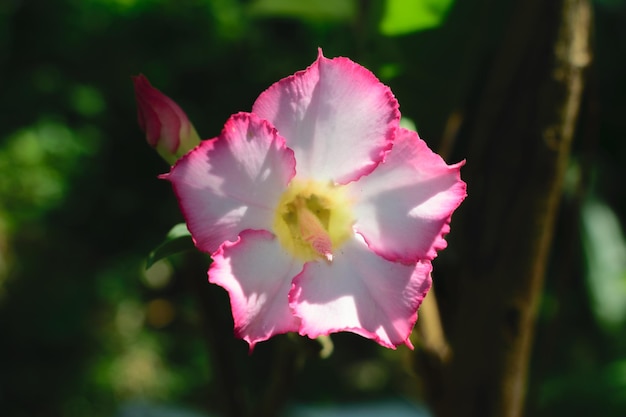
(361, 293)
(257, 274)
(233, 182)
(339, 119)
(403, 208)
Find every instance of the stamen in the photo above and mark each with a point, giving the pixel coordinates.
(312, 230)
(313, 219)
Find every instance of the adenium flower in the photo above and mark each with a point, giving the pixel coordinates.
(321, 213)
(166, 125)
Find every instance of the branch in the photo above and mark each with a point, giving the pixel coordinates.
(518, 135)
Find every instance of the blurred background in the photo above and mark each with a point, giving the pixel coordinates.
(86, 330)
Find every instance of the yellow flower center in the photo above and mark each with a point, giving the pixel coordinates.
(313, 219)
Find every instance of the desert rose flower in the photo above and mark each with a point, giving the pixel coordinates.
(165, 124)
(322, 215)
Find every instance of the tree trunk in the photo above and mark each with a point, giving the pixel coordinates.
(517, 136)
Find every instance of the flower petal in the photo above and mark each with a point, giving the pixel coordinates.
(360, 292)
(403, 208)
(233, 182)
(337, 117)
(257, 274)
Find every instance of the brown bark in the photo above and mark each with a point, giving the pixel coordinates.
(518, 143)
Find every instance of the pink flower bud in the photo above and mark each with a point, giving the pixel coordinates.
(166, 125)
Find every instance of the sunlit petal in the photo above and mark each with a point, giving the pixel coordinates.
(338, 118)
(257, 274)
(233, 182)
(360, 292)
(403, 208)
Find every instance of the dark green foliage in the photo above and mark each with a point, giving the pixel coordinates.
(178, 240)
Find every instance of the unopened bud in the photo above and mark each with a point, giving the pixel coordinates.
(165, 124)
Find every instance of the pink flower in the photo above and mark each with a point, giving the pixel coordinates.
(166, 125)
(321, 213)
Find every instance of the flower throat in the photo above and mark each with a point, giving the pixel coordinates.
(313, 219)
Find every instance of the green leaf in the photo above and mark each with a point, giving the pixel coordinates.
(605, 250)
(178, 240)
(305, 9)
(407, 123)
(406, 16)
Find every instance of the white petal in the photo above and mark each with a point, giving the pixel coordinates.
(360, 292)
(257, 274)
(403, 208)
(233, 182)
(337, 117)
